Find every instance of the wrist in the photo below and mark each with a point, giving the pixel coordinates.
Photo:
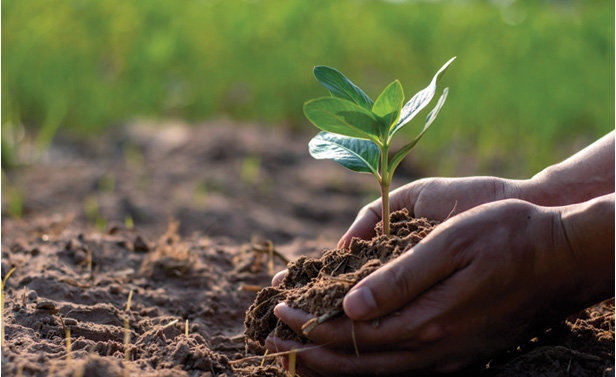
(574, 256)
(589, 231)
(559, 185)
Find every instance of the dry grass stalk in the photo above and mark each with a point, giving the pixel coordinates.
(2, 302)
(268, 247)
(314, 322)
(171, 324)
(270, 262)
(89, 260)
(126, 344)
(68, 347)
(292, 359)
(130, 297)
(271, 355)
(250, 287)
(238, 337)
(186, 329)
(263, 361)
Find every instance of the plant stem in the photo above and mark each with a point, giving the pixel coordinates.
(385, 208)
(385, 182)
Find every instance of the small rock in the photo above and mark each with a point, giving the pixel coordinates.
(79, 256)
(32, 296)
(115, 289)
(114, 228)
(123, 244)
(70, 322)
(18, 246)
(34, 252)
(69, 245)
(45, 305)
(141, 245)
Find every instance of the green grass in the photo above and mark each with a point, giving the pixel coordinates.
(531, 77)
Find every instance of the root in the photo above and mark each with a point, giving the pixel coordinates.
(452, 211)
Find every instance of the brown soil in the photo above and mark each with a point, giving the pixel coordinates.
(204, 202)
(318, 285)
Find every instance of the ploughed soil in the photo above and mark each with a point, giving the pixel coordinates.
(139, 253)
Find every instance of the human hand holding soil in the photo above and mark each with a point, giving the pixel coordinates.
(462, 293)
(584, 176)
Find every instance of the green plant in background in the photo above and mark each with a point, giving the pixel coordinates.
(79, 67)
(358, 132)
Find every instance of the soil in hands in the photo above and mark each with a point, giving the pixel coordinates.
(318, 285)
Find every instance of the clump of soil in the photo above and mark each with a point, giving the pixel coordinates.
(318, 285)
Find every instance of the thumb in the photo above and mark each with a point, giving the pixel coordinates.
(367, 218)
(363, 226)
(399, 282)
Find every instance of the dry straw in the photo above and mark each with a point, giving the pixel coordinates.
(2, 302)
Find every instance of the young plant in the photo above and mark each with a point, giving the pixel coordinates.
(358, 132)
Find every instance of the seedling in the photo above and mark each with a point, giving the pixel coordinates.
(357, 132)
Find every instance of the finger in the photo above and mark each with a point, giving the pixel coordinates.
(371, 214)
(397, 283)
(279, 277)
(278, 345)
(326, 361)
(408, 329)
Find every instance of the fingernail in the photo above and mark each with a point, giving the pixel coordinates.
(359, 303)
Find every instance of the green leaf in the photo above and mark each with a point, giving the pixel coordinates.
(341, 87)
(387, 107)
(399, 156)
(355, 154)
(342, 117)
(419, 101)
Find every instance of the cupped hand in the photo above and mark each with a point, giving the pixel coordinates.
(435, 199)
(483, 281)
(432, 198)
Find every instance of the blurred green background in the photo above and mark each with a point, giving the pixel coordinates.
(534, 80)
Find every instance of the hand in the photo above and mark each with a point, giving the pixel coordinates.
(435, 199)
(481, 282)
(432, 198)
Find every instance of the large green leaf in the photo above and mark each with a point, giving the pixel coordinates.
(419, 101)
(387, 107)
(341, 87)
(399, 156)
(342, 117)
(356, 154)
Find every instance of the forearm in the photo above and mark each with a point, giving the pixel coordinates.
(586, 175)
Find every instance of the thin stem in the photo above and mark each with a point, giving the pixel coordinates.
(385, 208)
(385, 182)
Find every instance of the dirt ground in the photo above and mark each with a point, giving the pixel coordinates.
(145, 247)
